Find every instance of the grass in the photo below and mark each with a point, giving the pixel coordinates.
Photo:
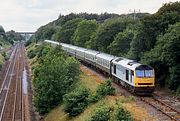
(89, 79)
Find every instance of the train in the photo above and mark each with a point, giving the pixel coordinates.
(136, 77)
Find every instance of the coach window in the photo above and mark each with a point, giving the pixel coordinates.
(114, 69)
(127, 75)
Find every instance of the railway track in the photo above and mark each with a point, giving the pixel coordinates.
(171, 113)
(11, 94)
(164, 108)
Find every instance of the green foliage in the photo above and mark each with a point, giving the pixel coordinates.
(121, 114)
(39, 50)
(53, 78)
(121, 44)
(106, 88)
(31, 54)
(174, 79)
(45, 32)
(84, 31)
(140, 39)
(103, 89)
(166, 55)
(65, 34)
(1, 61)
(151, 27)
(178, 92)
(12, 36)
(107, 31)
(102, 113)
(76, 101)
(30, 41)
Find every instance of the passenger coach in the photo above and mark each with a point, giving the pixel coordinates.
(136, 77)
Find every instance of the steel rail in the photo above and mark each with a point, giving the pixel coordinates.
(11, 58)
(160, 109)
(4, 103)
(16, 91)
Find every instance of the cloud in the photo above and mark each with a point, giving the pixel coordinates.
(28, 15)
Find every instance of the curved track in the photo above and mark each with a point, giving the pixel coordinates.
(166, 109)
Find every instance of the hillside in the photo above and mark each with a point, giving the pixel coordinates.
(91, 80)
(137, 39)
(4, 44)
(151, 39)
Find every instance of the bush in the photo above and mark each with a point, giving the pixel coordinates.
(102, 113)
(31, 54)
(0, 66)
(106, 88)
(53, 79)
(103, 89)
(178, 91)
(76, 101)
(122, 114)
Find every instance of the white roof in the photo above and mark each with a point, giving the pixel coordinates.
(92, 52)
(130, 64)
(81, 49)
(52, 42)
(72, 47)
(105, 56)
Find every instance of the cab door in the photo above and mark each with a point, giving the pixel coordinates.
(132, 77)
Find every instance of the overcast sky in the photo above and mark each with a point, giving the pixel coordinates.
(28, 15)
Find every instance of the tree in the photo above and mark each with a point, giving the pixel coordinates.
(165, 55)
(121, 44)
(107, 31)
(45, 32)
(102, 113)
(53, 78)
(76, 101)
(12, 36)
(66, 32)
(84, 31)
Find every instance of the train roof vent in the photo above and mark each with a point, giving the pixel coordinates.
(119, 59)
(131, 63)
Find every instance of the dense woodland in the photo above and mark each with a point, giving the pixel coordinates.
(152, 39)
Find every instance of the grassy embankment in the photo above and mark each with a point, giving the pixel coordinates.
(5, 45)
(91, 80)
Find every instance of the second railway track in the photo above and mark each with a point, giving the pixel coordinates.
(164, 108)
(11, 94)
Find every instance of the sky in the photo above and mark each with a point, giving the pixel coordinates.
(29, 15)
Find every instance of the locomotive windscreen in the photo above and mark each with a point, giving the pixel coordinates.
(144, 71)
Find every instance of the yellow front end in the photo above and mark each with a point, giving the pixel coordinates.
(144, 79)
(144, 82)
(144, 85)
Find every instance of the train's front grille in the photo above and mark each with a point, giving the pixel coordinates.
(144, 83)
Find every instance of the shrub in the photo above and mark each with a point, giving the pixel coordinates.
(106, 88)
(0, 66)
(103, 89)
(31, 54)
(178, 91)
(76, 101)
(122, 114)
(102, 113)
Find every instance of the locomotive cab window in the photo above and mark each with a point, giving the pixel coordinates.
(149, 73)
(144, 73)
(140, 73)
(114, 69)
(127, 75)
